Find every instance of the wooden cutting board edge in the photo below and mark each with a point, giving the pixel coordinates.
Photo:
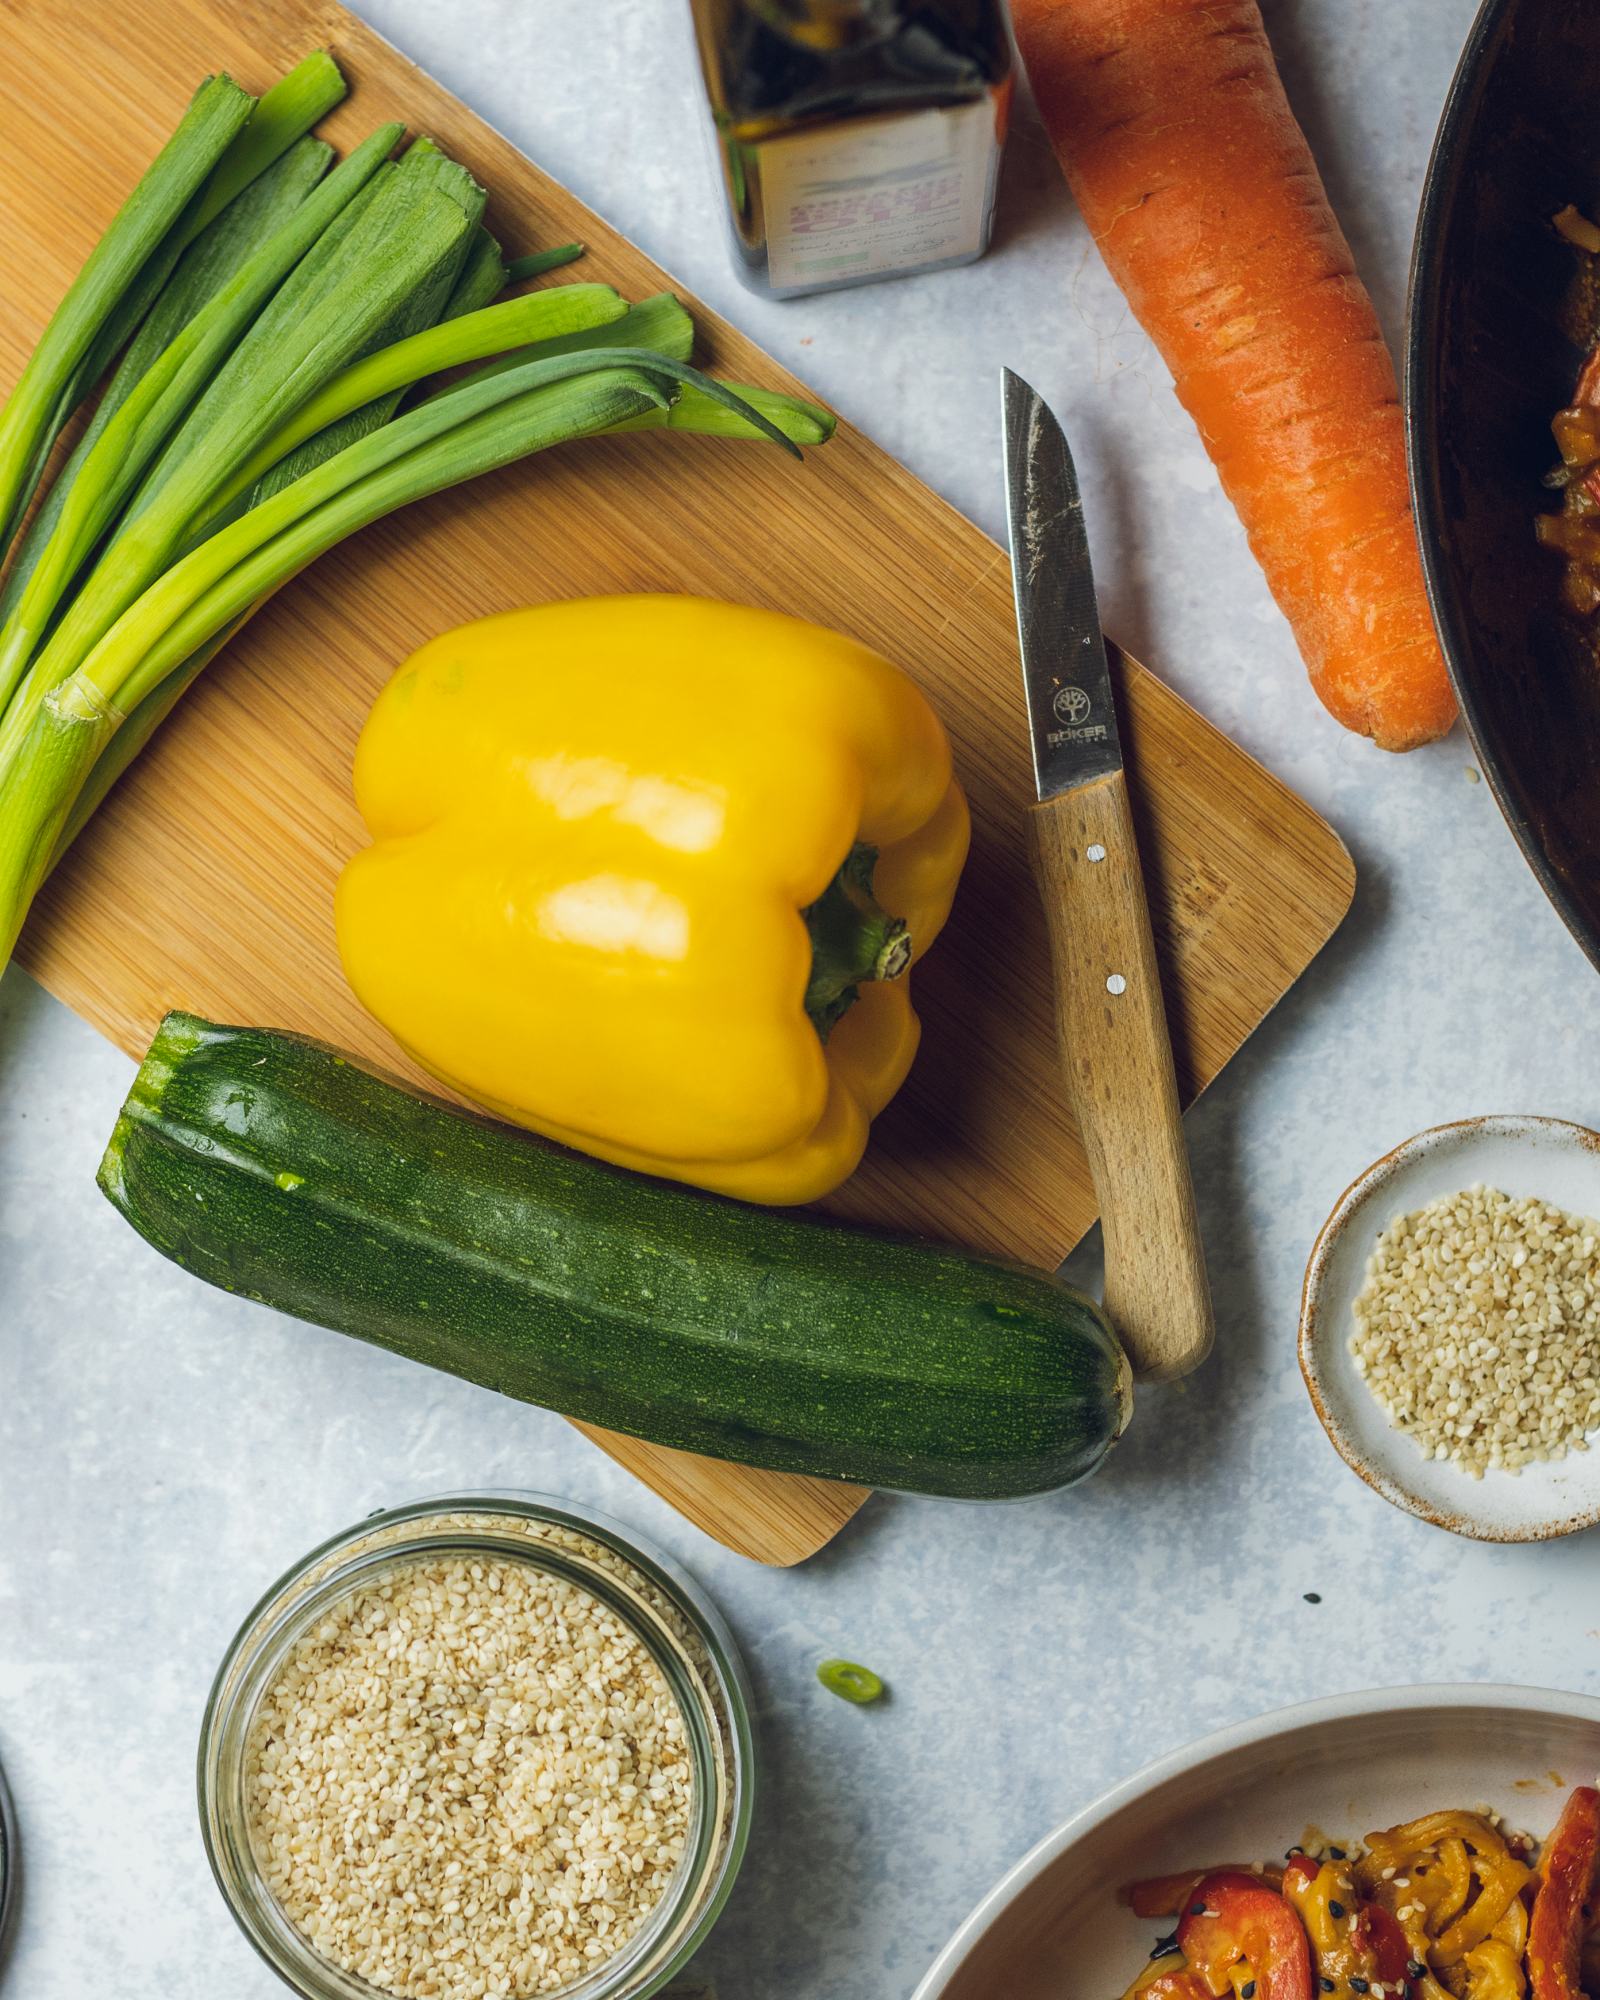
(778, 1520)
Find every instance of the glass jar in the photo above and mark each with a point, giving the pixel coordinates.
(672, 1618)
(858, 139)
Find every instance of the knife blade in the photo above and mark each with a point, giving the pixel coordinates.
(1111, 1023)
(1072, 717)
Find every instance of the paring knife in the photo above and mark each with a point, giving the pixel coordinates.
(1113, 1030)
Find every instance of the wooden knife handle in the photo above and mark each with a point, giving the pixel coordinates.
(1118, 1064)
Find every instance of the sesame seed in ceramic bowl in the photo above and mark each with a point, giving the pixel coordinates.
(1450, 1327)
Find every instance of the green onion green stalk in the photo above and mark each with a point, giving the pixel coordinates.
(265, 328)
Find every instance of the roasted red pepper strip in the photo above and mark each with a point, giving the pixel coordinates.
(1566, 1876)
(1240, 1917)
(1371, 1946)
(1383, 1943)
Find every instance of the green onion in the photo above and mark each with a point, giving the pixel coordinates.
(843, 1677)
(280, 119)
(539, 261)
(461, 284)
(260, 386)
(540, 316)
(659, 323)
(218, 111)
(258, 417)
(203, 269)
(801, 423)
(284, 114)
(483, 277)
(167, 390)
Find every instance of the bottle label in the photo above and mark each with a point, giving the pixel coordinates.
(882, 194)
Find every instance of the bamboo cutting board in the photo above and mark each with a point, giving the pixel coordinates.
(205, 881)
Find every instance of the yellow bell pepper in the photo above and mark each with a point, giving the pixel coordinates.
(645, 872)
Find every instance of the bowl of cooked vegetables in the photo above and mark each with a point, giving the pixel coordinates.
(1504, 438)
(1401, 1844)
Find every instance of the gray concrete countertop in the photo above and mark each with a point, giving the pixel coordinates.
(165, 1451)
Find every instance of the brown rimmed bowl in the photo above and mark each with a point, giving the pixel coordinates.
(1521, 1156)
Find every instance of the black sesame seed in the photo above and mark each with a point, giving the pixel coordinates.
(1335, 1909)
(1248, 1990)
(1325, 1983)
(1357, 1983)
(1337, 1853)
(1415, 1969)
(1313, 1597)
(1164, 1947)
(1197, 1909)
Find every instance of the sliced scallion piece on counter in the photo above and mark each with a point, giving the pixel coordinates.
(851, 1682)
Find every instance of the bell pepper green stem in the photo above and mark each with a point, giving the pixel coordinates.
(853, 941)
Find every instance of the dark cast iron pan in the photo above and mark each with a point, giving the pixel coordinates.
(1498, 323)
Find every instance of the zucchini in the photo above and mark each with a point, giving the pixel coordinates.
(279, 1169)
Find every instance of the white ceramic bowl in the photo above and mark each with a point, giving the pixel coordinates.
(1548, 1157)
(1054, 1930)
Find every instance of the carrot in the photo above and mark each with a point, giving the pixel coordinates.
(1170, 121)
